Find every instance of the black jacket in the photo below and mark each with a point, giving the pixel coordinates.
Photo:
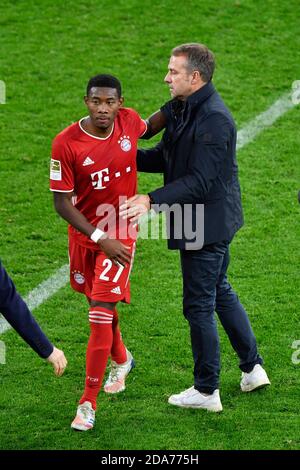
(197, 156)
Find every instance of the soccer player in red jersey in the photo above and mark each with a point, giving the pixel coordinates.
(93, 170)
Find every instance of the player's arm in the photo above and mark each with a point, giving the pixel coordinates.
(114, 249)
(155, 123)
(64, 207)
(16, 312)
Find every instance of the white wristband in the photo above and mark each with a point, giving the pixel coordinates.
(96, 235)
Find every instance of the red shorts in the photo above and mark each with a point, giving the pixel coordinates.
(96, 276)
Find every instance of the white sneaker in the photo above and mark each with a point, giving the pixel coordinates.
(191, 398)
(85, 417)
(116, 379)
(255, 379)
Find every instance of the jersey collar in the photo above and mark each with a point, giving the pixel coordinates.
(91, 135)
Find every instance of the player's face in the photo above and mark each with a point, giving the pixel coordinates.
(178, 78)
(103, 105)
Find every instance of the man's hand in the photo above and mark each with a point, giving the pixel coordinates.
(58, 360)
(115, 250)
(135, 206)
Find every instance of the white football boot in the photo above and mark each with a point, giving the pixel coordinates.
(191, 398)
(118, 373)
(255, 379)
(85, 417)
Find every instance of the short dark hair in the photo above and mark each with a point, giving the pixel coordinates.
(199, 57)
(106, 81)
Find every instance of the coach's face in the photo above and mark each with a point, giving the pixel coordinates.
(179, 79)
(103, 105)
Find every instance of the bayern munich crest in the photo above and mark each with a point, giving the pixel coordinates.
(78, 277)
(125, 143)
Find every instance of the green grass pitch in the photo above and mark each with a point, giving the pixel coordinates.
(48, 52)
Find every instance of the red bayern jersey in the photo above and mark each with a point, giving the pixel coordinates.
(99, 171)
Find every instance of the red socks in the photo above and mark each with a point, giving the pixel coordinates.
(105, 339)
(118, 350)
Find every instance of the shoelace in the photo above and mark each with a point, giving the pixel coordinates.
(114, 372)
(116, 369)
(86, 411)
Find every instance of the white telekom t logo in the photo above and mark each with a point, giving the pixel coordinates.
(101, 178)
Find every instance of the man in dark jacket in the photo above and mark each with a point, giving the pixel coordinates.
(197, 157)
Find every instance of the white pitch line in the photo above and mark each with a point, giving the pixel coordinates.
(265, 119)
(42, 292)
(59, 279)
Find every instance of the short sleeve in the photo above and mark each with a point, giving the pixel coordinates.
(61, 168)
(139, 124)
(142, 127)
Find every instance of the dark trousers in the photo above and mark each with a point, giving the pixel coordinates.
(206, 290)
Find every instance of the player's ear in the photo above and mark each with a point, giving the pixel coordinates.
(121, 101)
(85, 99)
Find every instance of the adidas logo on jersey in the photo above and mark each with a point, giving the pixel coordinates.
(116, 290)
(88, 161)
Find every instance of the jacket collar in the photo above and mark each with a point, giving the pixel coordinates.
(193, 100)
(201, 95)
(182, 110)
